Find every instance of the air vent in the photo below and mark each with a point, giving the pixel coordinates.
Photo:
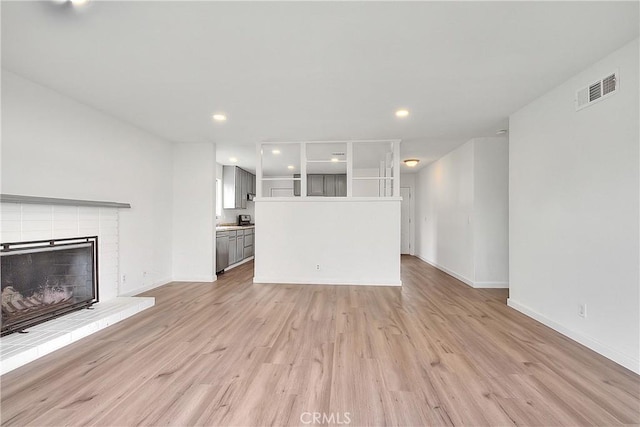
(596, 91)
(608, 84)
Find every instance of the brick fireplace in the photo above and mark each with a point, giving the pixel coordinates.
(35, 219)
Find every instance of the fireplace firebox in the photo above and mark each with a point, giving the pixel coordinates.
(45, 279)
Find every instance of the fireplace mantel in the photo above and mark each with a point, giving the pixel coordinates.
(36, 200)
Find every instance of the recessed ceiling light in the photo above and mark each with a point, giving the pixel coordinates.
(276, 151)
(233, 160)
(219, 117)
(402, 113)
(411, 162)
(291, 167)
(334, 159)
(78, 2)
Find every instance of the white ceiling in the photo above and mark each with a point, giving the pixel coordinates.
(311, 70)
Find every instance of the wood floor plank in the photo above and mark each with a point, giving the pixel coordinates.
(434, 352)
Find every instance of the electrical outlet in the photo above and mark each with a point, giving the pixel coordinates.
(317, 266)
(582, 310)
(124, 278)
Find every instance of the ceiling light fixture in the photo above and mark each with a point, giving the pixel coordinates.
(78, 2)
(291, 167)
(233, 160)
(219, 117)
(411, 162)
(276, 151)
(402, 113)
(334, 160)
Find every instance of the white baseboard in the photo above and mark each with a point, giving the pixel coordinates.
(306, 281)
(207, 279)
(244, 261)
(145, 288)
(469, 282)
(491, 285)
(449, 272)
(622, 359)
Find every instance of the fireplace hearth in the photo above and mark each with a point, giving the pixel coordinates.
(44, 279)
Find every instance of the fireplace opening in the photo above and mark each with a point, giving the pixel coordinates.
(44, 279)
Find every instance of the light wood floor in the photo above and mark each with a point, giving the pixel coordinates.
(434, 352)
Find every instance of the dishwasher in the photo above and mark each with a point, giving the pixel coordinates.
(222, 251)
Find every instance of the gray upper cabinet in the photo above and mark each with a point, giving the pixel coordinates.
(341, 185)
(237, 184)
(315, 185)
(296, 185)
(323, 185)
(329, 185)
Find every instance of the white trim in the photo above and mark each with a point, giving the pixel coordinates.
(244, 261)
(329, 141)
(196, 279)
(469, 282)
(628, 362)
(491, 285)
(322, 199)
(145, 288)
(305, 281)
(449, 272)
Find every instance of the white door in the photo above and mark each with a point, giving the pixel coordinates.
(405, 220)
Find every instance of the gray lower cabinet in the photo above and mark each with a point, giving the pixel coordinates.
(233, 247)
(222, 250)
(240, 246)
(248, 243)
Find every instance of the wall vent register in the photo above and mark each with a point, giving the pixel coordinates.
(597, 91)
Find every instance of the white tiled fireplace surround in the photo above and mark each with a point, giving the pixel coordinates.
(28, 222)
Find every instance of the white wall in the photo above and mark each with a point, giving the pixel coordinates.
(444, 210)
(491, 211)
(53, 146)
(574, 209)
(194, 178)
(353, 241)
(461, 213)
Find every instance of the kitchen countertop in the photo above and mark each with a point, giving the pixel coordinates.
(234, 227)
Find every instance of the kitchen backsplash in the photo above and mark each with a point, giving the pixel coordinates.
(230, 216)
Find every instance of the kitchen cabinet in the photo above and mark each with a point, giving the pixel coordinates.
(341, 185)
(315, 185)
(237, 183)
(329, 186)
(222, 250)
(296, 185)
(240, 246)
(233, 247)
(248, 243)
